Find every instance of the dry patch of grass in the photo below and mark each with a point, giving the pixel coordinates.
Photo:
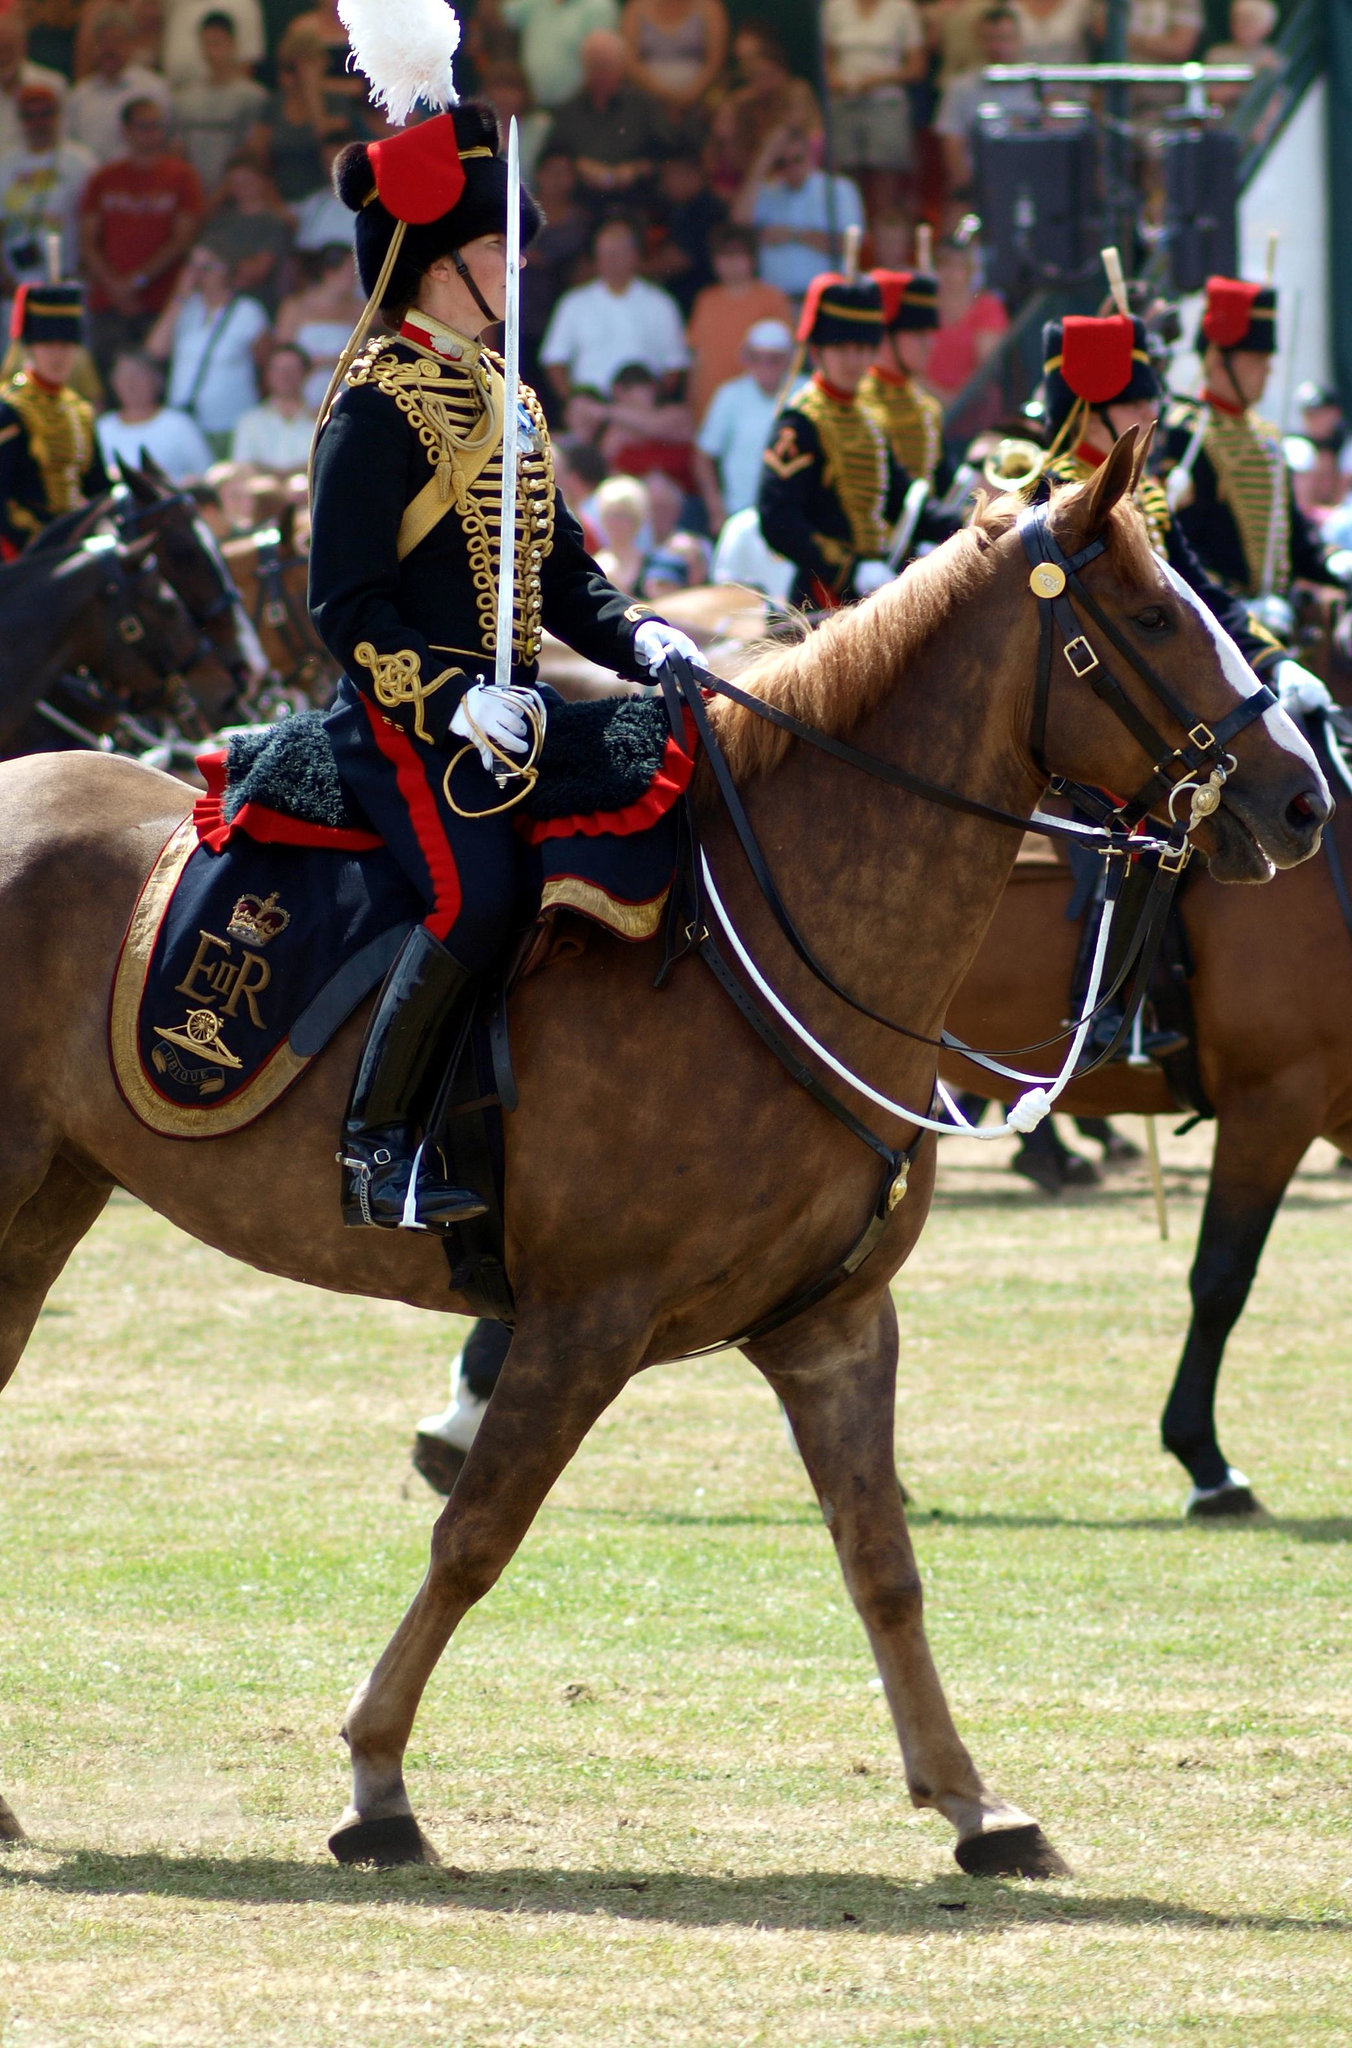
(666, 1789)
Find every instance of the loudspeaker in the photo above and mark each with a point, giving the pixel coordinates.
(1038, 196)
(1201, 198)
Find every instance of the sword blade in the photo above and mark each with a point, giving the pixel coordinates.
(511, 350)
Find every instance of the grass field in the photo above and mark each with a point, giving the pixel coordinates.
(655, 1762)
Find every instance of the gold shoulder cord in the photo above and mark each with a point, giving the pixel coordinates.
(528, 770)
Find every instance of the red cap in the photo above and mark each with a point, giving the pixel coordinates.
(1096, 356)
(418, 172)
(1229, 307)
(892, 284)
(16, 313)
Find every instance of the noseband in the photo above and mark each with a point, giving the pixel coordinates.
(1054, 580)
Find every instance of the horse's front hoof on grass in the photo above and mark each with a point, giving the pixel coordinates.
(383, 1844)
(10, 1830)
(1011, 1852)
(439, 1463)
(1235, 1501)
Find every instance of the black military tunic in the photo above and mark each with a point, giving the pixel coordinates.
(831, 492)
(49, 457)
(1239, 505)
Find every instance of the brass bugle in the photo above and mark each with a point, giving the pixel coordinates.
(1013, 465)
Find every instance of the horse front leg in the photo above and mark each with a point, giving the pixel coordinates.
(1260, 1140)
(557, 1380)
(835, 1372)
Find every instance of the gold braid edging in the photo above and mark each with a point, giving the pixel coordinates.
(397, 680)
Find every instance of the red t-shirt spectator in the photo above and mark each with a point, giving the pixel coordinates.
(673, 458)
(961, 348)
(135, 205)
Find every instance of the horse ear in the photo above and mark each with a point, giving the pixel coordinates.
(137, 482)
(1084, 512)
(1145, 440)
(152, 470)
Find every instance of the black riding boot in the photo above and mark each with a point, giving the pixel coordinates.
(414, 1021)
(1155, 1044)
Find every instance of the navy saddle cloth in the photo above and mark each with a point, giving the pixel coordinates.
(274, 909)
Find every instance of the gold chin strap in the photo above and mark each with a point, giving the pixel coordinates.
(358, 337)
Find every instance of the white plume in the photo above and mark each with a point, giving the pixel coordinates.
(405, 48)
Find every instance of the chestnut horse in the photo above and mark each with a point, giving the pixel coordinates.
(1272, 1001)
(667, 1183)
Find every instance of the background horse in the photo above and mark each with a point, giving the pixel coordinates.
(1272, 1000)
(667, 1183)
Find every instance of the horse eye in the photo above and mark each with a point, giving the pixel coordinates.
(1152, 618)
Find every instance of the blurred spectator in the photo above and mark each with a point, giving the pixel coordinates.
(252, 230)
(95, 108)
(51, 34)
(321, 317)
(725, 312)
(621, 511)
(610, 129)
(951, 32)
(186, 58)
(801, 213)
(1000, 37)
(579, 471)
(1162, 32)
(214, 115)
(767, 97)
(277, 433)
(684, 215)
(618, 318)
(298, 119)
(146, 48)
(552, 34)
(1055, 32)
(736, 429)
(674, 558)
(677, 50)
(143, 425)
(970, 323)
(41, 180)
(1319, 473)
(636, 429)
(1251, 23)
(506, 90)
(742, 556)
(345, 89)
(16, 72)
(138, 216)
(207, 332)
(554, 254)
(874, 50)
(322, 220)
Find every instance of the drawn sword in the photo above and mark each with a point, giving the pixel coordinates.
(511, 353)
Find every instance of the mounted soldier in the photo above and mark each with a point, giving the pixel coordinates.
(49, 453)
(831, 490)
(911, 417)
(1228, 480)
(435, 621)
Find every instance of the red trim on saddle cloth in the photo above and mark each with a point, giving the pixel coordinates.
(260, 822)
(670, 781)
(442, 871)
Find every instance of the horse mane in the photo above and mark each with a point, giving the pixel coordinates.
(834, 677)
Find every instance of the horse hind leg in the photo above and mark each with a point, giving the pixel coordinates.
(835, 1372)
(560, 1375)
(48, 1205)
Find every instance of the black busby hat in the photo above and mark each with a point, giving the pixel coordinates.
(444, 179)
(1094, 362)
(47, 312)
(1239, 315)
(910, 300)
(838, 309)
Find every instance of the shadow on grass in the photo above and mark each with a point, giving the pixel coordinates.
(808, 1901)
(1300, 1529)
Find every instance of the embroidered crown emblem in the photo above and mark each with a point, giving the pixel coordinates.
(258, 920)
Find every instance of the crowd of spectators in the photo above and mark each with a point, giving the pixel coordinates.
(178, 154)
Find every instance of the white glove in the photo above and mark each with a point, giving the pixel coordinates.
(1298, 690)
(500, 716)
(1339, 565)
(870, 576)
(655, 640)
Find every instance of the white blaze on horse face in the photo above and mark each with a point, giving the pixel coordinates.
(1281, 730)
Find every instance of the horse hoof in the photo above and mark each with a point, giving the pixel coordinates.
(1079, 1172)
(440, 1463)
(1233, 1502)
(1011, 1852)
(383, 1844)
(10, 1830)
(1042, 1171)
